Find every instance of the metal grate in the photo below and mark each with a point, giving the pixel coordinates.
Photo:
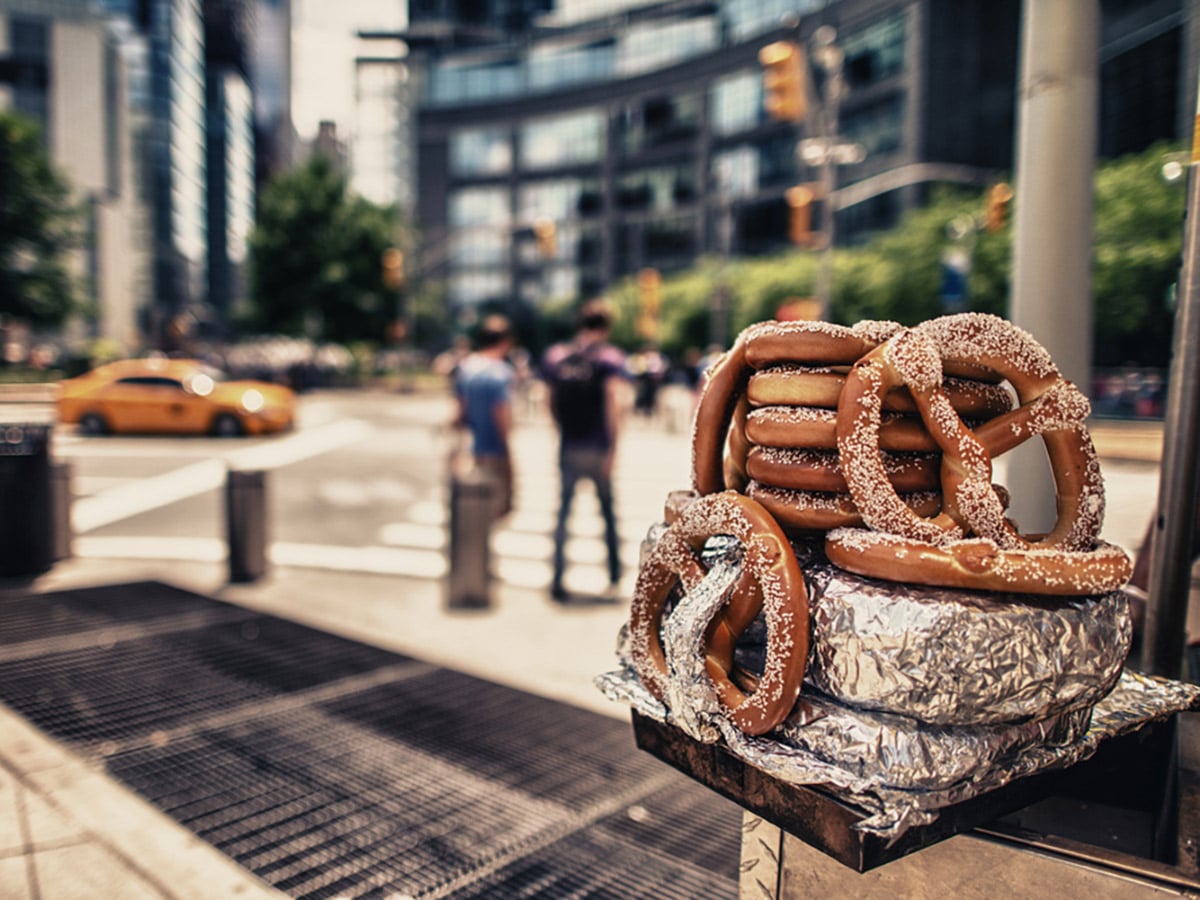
(334, 769)
(28, 617)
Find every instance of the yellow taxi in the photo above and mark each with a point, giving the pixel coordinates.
(172, 396)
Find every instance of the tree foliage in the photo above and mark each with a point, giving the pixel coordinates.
(898, 274)
(315, 259)
(38, 228)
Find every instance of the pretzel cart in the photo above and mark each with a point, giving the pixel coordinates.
(840, 628)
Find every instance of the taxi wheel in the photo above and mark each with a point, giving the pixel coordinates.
(227, 425)
(93, 423)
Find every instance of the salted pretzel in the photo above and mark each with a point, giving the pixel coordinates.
(787, 385)
(1049, 406)
(771, 583)
(979, 564)
(818, 470)
(798, 510)
(764, 344)
(813, 428)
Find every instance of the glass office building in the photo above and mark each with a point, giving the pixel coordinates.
(639, 128)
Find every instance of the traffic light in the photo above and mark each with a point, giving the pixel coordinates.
(393, 268)
(995, 211)
(784, 91)
(800, 202)
(649, 291)
(649, 284)
(546, 234)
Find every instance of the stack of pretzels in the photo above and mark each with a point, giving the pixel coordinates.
(878, 441)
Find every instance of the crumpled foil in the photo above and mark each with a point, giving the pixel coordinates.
(954, 657)
(897, 769)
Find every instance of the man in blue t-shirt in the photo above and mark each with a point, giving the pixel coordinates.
(585, 377)
(482, 385)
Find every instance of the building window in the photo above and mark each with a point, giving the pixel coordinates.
(735, 173)
(660, 120)
(562, 140)
(746, 18)
(879, 127)
(656, 45)
(559, 199)
(481, 151)
(735, 103)
(877, 52)
(551, 68)
(479, 207)
(451, 83)
(661, 188)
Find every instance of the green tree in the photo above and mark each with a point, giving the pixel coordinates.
(1139, 236)
(315, 259)
(38, 227)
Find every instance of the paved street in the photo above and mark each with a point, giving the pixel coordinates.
(361, 485)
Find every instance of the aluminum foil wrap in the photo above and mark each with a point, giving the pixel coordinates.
(954, 657)
(898, 770)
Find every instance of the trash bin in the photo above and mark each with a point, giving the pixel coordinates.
(472, 506)
(246, 524)
(27, 545)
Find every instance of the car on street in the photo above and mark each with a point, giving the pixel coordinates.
(172, 396)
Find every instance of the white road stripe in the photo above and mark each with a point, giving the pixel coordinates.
(143, 495)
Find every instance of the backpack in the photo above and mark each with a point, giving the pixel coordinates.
(577, 399)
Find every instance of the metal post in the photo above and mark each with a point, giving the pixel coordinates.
(60, 492)
(246, 524)
(1174, 521)
(472, 508)
(1052, 237)
(830, 57)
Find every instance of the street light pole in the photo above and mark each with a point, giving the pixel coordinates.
(829, 57)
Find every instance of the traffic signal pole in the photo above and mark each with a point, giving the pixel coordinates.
(1052, 231)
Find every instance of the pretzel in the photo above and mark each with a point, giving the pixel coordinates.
(771, 583)
(799, 386)
(813, 343)
(799, 510)
(808, 427)
(1049, 406)
(979, 564)
(818, 470)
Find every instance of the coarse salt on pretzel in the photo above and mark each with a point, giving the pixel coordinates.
(979, 564)
(818, 470)
(771, 582)
(1049, 406)
(804, 511)
(815, 428)
(787, 385)
(814, 343)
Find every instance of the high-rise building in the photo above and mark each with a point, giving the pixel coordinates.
(640, 130)
(84, 79)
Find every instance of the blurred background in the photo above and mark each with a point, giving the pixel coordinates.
(342, 189)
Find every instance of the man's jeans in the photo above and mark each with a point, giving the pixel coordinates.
(574, 464)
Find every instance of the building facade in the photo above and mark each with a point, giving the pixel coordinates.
(85, 80)
(642, 135)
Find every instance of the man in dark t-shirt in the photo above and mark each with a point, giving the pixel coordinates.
(584, 376)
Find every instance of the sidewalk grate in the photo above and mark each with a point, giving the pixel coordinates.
(26, 617)
(423, 783)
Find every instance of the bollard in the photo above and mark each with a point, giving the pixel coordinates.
(26, 499)
(60, 492)
(472, 506)
(246, 524)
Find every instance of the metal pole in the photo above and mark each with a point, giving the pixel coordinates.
(831, 59)
(1174, 521)
(1052, 236)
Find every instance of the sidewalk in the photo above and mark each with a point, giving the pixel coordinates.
(67, 830)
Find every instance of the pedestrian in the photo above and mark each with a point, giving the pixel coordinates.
(483, 388)
(585, 379)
